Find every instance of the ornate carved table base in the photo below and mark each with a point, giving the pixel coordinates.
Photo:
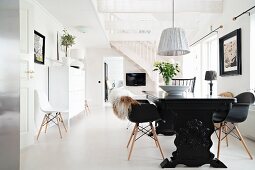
(193, 139)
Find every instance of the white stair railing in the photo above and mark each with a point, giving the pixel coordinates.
(143, 53)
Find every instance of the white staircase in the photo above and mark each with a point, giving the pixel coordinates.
(143, 53)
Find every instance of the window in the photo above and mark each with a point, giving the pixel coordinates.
(252, 52)
(203, 57)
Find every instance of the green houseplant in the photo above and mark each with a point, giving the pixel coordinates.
(167, 70)
(67, 40)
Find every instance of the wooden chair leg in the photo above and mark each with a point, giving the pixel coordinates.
(219, 140)
(153, 135)
(225, 129)
(87, 106)
(62, 121)
(156, 138)
(41, 127)
(132, 134)
(59, 127)
(133, 142)
(243, 142)
(86, 111)
(47, 121)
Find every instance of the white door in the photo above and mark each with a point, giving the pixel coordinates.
(26, 76)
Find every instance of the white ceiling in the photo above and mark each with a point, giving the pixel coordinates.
(133, 20)
(144, 20)
(78, 13)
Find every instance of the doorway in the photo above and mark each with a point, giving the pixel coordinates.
(113, 75)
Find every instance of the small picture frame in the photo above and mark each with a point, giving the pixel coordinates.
(230, 54)
(39, 48)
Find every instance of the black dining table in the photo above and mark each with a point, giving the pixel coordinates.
(189, 117)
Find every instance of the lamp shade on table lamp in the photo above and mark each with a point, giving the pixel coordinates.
(209, 76)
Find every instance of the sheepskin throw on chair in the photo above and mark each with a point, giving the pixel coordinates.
(122, 106)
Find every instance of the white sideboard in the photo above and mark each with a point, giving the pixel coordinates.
(248, 126)
(67, 89)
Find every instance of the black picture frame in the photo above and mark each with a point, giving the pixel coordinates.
(39, 48)
(230, 54)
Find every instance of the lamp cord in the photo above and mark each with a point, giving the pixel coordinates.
(173, 14)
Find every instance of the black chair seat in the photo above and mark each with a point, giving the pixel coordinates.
(236, 115)
(219, 116)
(144, 113)
(239, 113)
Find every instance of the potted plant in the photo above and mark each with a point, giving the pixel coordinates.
(67, 40)
(167, 70)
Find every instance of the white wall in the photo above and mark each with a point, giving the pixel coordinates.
(49, 26)
(232, 8)
(252, 51)
(94, 64)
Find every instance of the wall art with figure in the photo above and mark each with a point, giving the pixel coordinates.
(230, 53)
(39, 48)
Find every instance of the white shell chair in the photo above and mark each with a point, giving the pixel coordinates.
(51, 114)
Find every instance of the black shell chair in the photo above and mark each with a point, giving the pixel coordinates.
(237, 114)
(143, 113)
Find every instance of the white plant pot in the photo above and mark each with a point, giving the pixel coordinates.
(66, 61)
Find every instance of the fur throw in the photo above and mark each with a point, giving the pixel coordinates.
(226, 94)
(122, 106)
(118, 92)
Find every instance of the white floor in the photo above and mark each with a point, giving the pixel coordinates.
(98, 141)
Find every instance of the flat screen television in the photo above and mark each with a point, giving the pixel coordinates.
(135, 79)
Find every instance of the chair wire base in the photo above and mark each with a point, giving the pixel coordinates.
(51, 117)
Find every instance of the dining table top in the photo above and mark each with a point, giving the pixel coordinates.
(162, 95)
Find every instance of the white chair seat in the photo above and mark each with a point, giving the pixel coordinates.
(53, 110)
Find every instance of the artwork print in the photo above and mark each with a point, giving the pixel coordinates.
(230, 53)
(39, 48)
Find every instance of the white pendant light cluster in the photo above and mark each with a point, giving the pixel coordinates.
(173, 41)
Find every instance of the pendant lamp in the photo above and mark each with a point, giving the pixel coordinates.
(173, 41)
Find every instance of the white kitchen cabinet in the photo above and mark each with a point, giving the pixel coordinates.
(67, 89)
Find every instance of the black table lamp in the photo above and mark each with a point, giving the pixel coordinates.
(210, 75)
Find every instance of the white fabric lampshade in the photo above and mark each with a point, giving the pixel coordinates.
(77, 53)
(173, 42)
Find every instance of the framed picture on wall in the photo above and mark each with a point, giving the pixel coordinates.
(230, 54)
(39, 48)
